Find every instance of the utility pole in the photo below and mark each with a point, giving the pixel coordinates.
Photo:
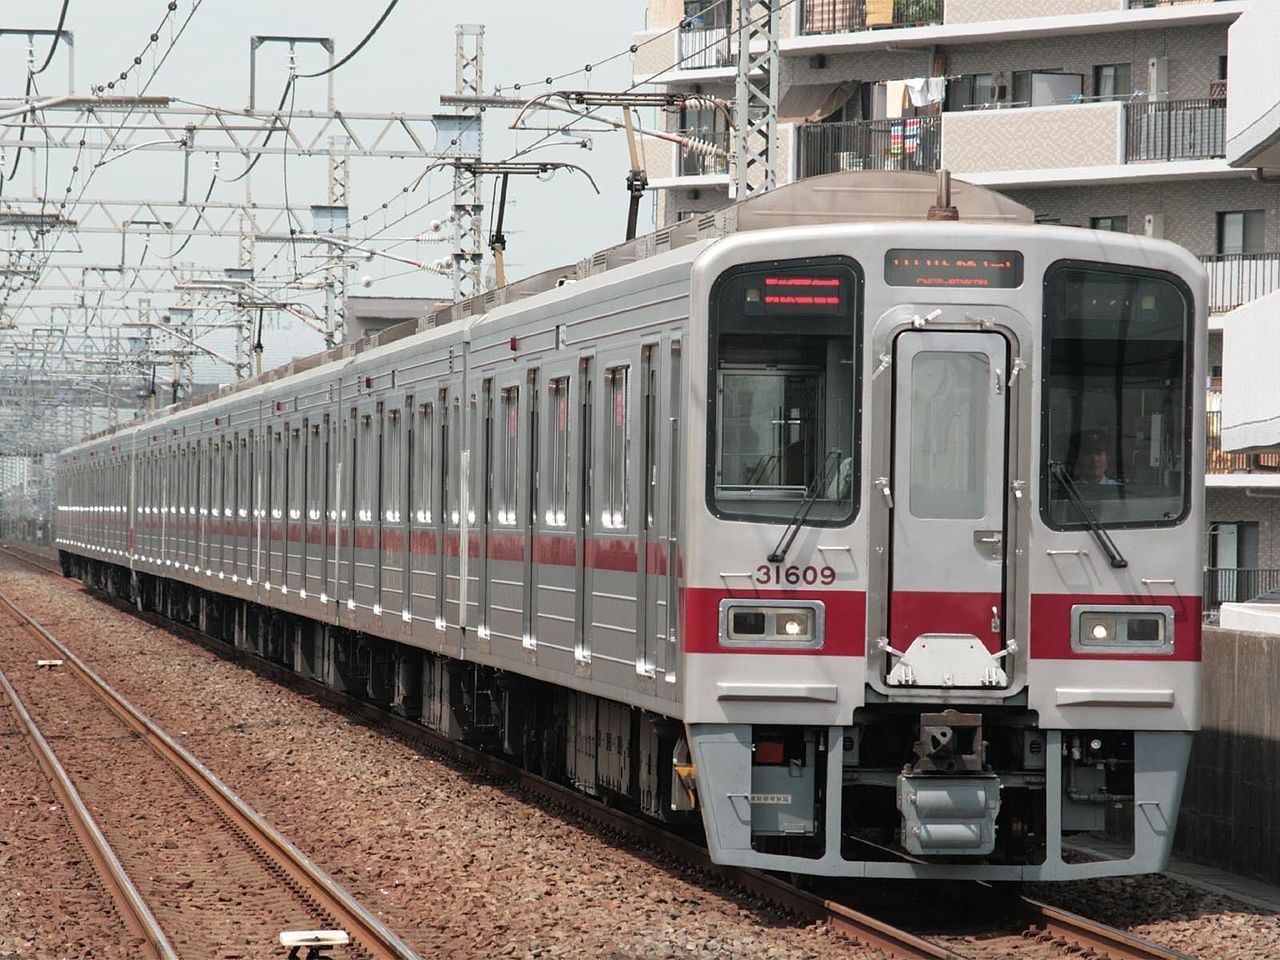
(467, 202)
(755, 134)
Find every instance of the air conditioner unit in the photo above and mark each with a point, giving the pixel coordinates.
(1153, 225)
(1158, 78)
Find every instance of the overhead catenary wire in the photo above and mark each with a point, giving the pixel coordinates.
(57, 35)
(578, 118)
(61, 226)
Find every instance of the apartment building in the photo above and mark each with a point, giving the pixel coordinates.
(1110, 114)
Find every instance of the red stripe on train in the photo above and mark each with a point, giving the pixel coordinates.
(912, 613)
(1051, 626)
(845, 615)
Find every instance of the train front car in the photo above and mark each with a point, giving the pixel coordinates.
(942, 606)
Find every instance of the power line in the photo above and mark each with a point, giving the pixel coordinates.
(631, 50)
(57, 35)
(358, 47)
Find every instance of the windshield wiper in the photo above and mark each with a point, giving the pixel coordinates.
(788, 537)
(1091, 520)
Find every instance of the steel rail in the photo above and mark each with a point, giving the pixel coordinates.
(363, 927)
(133, 910)
(862, 927)
(1088, 935)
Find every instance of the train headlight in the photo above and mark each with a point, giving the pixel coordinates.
(766, 623)
(1121, 629)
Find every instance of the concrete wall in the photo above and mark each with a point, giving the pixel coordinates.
(976, 11)
(1251, 375)
(1084, 135)
(1253, 95)
(1231, 807)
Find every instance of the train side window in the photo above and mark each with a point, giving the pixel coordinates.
(473, 463)
(508, 513)
(315, 473)
(617, 449)
(277, 477)
(424, 466)
(244, 493)
(453, 464)
(783, 392)
(365, 454)
(215, 489)
(557, 514)
(294, 506)
(391, 447)
(1115, 426)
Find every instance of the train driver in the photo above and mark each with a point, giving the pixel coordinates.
(1093, 459)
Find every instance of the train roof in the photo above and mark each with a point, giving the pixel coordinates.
(877, 196)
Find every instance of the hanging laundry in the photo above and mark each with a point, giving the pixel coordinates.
(895, 97)
(925, 91)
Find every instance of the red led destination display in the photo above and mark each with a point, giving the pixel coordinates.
(953, 268)
(797, 294)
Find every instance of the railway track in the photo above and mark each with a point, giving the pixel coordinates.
(191, 868)
(1038, 928)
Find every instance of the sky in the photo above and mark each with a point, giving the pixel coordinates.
(407, 64)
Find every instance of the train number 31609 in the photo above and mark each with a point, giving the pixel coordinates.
(794, 576)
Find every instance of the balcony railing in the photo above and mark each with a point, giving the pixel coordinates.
(703, 48)
(909, 144)
(1149, 4)
(1220, 461)
(848, 16)
(698, 162)
(1231, 585)
(1238, 278)
(1176, 129)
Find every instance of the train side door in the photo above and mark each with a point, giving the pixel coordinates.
(947, 498)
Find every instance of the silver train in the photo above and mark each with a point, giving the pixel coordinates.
(870, 539)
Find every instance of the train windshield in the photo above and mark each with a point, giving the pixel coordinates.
(1117, 380)
(782, 398)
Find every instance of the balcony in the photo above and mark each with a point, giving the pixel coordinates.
(1176, 130)
(1219, 461)
(704, 48)
(1240, 278)
(851, 16)
(708, 157)
(910, 144)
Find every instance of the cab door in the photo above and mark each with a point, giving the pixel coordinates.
(947, 495)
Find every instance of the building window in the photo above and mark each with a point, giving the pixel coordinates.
(1114, 224)
(1240, 231)
(1112, 81)
(971, 90)
(704, 14)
